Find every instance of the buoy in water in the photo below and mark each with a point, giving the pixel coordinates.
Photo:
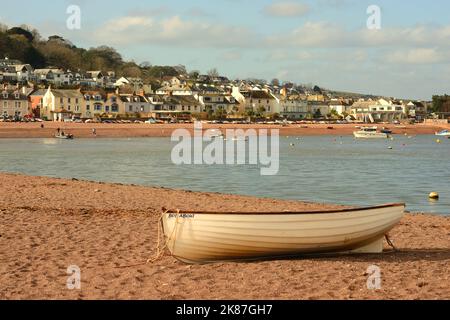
(434, 195)
(438, 141)
(292, 145)
(390, 148)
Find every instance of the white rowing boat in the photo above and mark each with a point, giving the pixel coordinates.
(370, 133)
(202, 237)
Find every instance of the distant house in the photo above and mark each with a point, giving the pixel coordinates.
(341, 107)
(37, 101)
(137, 83)
(14, 103)
(378, 111)
(171, 82)
(97, 77)
(293, 107)
(135, 103)
(417, 110)
(257, 101)
(213, 100)
(94, 104)
(319, 109)
(180, 107)
(24, 72)
(54, 76)
(175, 90)
(60, 105)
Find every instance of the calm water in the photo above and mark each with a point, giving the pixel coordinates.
(320, 169)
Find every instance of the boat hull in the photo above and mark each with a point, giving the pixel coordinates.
(211, 237)
(370, 135)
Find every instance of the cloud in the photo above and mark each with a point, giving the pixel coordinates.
(330, 35)
(286, 9)
(231, 55)
(198, 12)
(174, 31)
(418, 56)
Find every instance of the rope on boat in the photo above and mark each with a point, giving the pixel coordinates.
(390, 243)
(159, 249)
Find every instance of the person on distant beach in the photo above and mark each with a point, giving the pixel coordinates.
(94, 131)
(59, 130)
(42, 126)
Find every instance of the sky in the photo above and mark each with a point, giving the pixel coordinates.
(323, 42)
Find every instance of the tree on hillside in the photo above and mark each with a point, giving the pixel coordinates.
(213, 73)
(145, 65)
(131, 70)
(194, 74)
(438, 103)
(20, 31)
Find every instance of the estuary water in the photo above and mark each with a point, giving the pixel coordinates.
(326, 169)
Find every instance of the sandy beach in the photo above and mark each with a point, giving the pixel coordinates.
(110, 230)
(84, 130)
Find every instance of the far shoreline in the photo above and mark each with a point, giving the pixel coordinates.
(103, 130)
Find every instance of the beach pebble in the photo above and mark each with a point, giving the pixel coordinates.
(422, 283)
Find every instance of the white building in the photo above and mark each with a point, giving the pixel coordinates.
(378, 111)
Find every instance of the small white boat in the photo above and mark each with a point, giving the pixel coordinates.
(443, 133)
(202, 237)
(64, 136)
(370, 133)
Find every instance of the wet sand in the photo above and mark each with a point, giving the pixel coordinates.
(84, 130)
(49, 224)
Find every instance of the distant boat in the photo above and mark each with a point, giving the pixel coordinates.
(370, 133)
(202, 237)
(386, 130)
(64, 136)
(443, 133)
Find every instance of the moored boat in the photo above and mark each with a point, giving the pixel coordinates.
(64, 136)
(443, 133)
(202, 237)
(370, 133)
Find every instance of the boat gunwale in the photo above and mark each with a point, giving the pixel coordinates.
(348, 210)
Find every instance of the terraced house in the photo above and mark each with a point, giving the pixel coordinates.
(257, 101)
(60, 105)
(136, 104)
(214, 100)
(14, 103)
(94, 103)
